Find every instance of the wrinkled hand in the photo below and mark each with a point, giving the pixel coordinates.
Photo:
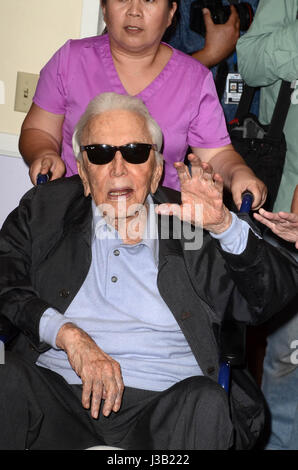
(100, 374)
(204, 188)
(245, 180)
(283, 224)
(50, 163)
(221, 39)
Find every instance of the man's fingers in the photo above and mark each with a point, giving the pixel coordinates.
(183, 172)
(218, 182)
(86, 392)
(97, 391)
(120, 385)
(196, 164)
(94, 392)
(118, 400)
(109, 388)
(207, 172)
(112, 397)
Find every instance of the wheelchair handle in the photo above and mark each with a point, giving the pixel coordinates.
(224, 375)
(41, 179)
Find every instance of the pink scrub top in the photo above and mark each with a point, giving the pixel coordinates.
(182, 99)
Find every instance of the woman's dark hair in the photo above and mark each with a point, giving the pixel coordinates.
(171, 29)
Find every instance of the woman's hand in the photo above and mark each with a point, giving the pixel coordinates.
(245, 180)
(221, 39)
(237, 176)
(100, 373)
(51, 164)
(40, 143)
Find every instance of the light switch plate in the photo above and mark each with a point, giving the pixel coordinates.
(26, 85)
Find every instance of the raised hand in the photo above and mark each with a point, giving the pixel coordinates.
(202, 188)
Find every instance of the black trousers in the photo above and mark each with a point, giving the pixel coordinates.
(40, 410)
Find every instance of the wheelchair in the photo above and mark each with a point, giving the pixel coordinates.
(232, 339)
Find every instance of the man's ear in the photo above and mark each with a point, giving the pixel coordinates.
(83, 175)
(156, 177)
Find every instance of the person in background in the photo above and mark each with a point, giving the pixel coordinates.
(268, 54)
(280, 371)
(131, 59)
(217, 47)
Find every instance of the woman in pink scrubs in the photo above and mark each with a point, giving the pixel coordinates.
(131, 59)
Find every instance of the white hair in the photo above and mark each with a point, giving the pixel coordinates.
(110, 101)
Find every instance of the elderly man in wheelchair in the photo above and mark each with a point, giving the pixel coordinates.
(118, 288)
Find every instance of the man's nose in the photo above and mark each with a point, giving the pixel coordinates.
(118, 166)
(134, 8)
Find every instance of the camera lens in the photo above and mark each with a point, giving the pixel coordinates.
(245, 13)
(220, 14)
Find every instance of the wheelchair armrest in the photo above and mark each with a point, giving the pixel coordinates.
(7, 330)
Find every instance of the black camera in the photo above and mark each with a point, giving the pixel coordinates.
(220, 14)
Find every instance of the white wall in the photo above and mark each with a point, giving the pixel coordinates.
(14, 182)
(30, 32)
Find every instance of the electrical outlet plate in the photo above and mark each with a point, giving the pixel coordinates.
(26, 85)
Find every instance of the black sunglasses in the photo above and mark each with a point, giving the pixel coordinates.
(101, 154)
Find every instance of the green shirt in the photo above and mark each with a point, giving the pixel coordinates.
(267, 54)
